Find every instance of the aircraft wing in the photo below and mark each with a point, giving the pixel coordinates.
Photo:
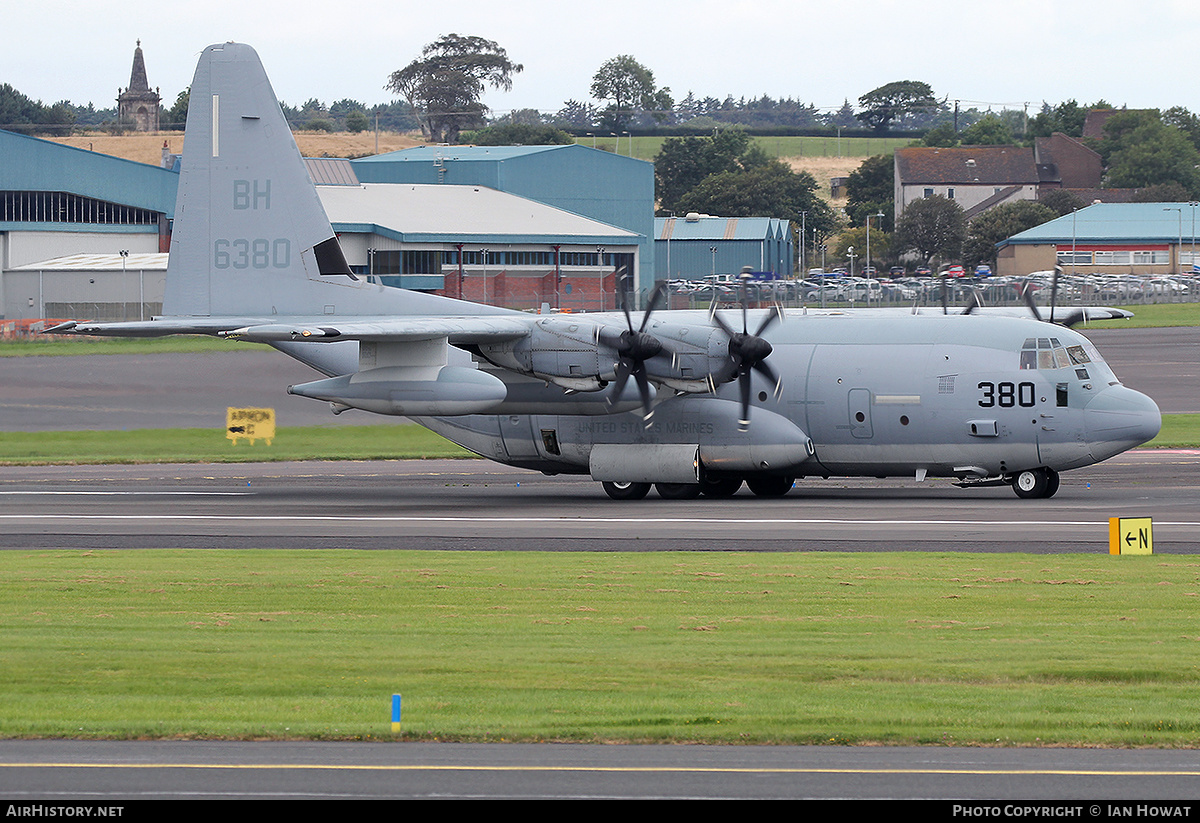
(319, 329)
(456, 330)
(156, 328)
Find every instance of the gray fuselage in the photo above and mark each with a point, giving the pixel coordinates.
(863, 395)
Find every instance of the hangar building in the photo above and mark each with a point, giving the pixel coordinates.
(1107, 238)
(691, 247)
(596, 184)
(58, 202)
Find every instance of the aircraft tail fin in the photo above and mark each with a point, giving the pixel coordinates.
(251, 236)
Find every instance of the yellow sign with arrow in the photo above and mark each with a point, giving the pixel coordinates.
(1130, 535)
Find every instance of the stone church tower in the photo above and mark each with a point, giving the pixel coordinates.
(137, 105)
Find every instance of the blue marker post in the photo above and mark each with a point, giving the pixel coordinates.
(395, 714)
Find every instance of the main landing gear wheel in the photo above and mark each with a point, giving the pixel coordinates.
(1035, 483)
(720, 487)
(770, 486)
(626, 491)
(678, 491)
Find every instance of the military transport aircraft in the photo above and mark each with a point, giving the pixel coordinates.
(689, 402)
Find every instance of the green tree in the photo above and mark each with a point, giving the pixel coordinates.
(1143, 151)
(175, 117)
(932, 227)
(1170, 192)
(1061, 201)
(942, 136)
(1185, 121)
(445, 85)
(881, 243)
(871, 190)
(894, 101)
(990, 130)
(1067, 118)
(357, 121)
(17, 110)
(520, 134)
(630, 86)
(999, 223)
(520, 117)
(682, 163)
(770, 189)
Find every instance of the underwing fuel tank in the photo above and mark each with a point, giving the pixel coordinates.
(455, 390)
(458, 391)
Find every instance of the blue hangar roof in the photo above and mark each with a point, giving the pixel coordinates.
(32, 164)
(707, 227)
(1114, 223)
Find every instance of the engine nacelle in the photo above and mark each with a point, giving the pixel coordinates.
(563, 351)
(581, 355)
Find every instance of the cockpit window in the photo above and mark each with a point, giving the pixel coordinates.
(1050, 353)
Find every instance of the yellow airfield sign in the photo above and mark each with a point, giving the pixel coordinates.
(1130, 535)
(250, 424)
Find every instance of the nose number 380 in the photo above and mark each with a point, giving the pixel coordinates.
(1006, 395)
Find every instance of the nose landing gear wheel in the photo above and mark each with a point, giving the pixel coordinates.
(1035, 483)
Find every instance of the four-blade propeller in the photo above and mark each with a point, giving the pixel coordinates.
(634, 348)
(746, 354)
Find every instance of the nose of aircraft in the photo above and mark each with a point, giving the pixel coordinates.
(1119, 418)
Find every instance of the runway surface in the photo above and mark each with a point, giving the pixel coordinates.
(110, 392)
(106, 773)
(478, 505)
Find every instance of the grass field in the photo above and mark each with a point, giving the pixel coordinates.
(382, 442)
(727, 647)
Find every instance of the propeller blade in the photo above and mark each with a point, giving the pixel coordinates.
(729, 332)
(744, 385)
(618, 384)
(1054, 291)
(656, 297)
(776, 313)
(973, 303)
(767, 372)
(643, 385)
(1027, 293)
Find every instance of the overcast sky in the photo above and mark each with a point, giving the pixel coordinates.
(997, 53)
